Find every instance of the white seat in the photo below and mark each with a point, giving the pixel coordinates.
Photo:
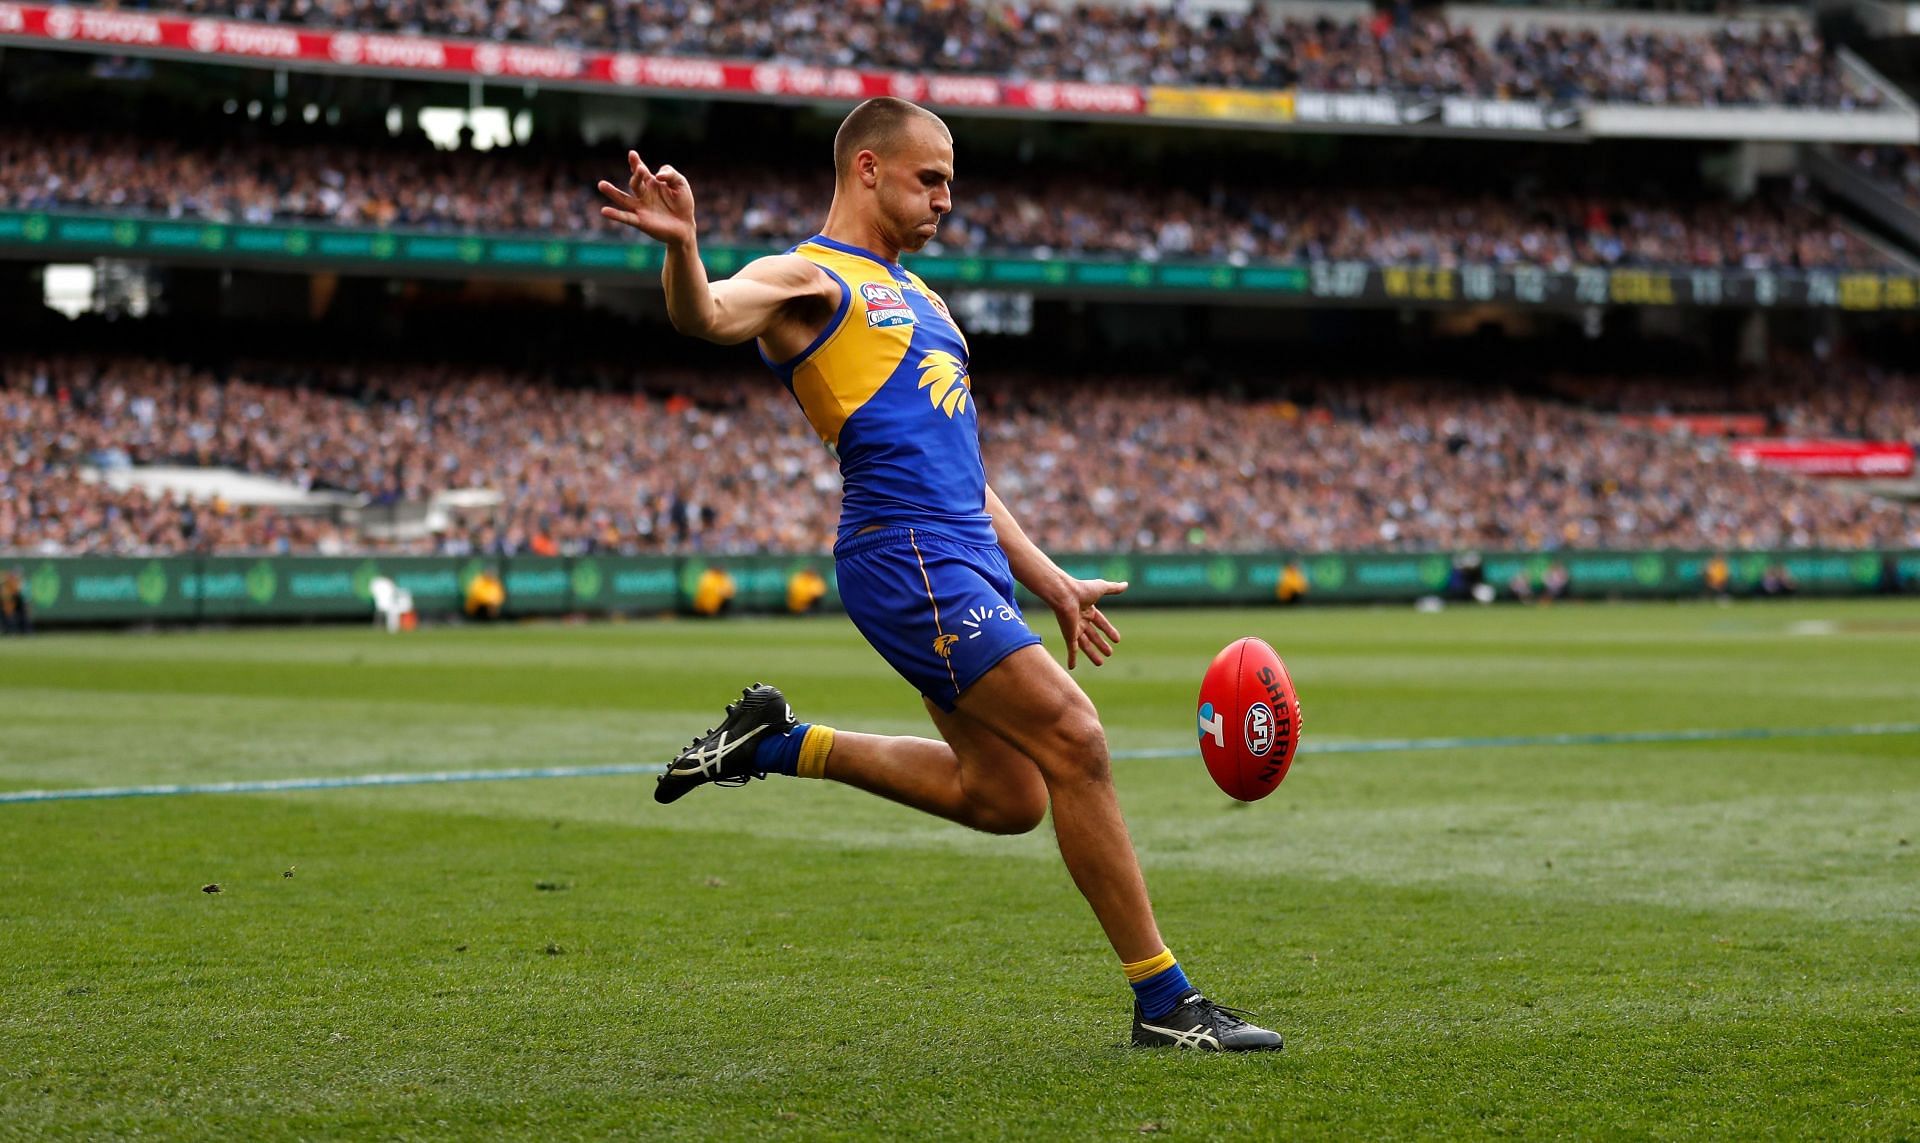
(390, 602)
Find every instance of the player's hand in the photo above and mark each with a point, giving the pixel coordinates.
(657, 204)
(1082, 622)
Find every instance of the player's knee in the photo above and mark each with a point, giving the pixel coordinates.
(1078, 746)
(1013, 801)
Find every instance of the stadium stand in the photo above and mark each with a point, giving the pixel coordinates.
(1239, 221)
(689, 463)
(1397, 50)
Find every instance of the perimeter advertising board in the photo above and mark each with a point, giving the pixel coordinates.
(280, 588)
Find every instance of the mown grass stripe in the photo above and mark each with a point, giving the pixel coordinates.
(617, 769)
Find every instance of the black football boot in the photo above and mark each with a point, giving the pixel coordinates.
(1199, 1023)
(724, 754)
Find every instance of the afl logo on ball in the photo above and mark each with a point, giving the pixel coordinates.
(1259, 730)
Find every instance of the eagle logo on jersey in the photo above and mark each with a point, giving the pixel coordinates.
(946, 377)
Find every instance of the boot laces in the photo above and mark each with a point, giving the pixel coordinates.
(1225, 1017)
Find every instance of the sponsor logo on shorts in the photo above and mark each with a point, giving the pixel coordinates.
(1259, 730)
(885, 305)
(978, 617)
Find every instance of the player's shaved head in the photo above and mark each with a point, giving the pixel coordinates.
(893, 166)
(879, 125)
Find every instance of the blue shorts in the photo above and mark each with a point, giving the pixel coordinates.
(941, 613)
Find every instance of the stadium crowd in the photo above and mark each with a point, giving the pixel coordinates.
(1398, 49)
(1405, 465)
(420, 188)
(701, 465)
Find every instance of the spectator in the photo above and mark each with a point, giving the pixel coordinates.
(805, 589)
(1718, 577)
(16, 617)
(1776, 581)
(1292, 585)
(1520, 583)
(713, 592)
(1890, 582)
(1555, 582)
(486, 595)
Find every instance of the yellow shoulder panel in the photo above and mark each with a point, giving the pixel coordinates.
(849, 367)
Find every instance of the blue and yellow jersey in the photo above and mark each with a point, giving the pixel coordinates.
(885, 385)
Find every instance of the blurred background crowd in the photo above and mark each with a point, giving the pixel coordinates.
(691, 463)
(1244, 220)
(1396, 49)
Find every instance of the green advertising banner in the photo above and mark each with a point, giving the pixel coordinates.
(333, 248)
(1598, 573)
(1226, 579)
(1823, 573)
(229, 587)
(104, 589)
(192, 589)
(321, 587)
(537, 586)
(552, 586)
(624, 583)
(60, 234)
(240, 588)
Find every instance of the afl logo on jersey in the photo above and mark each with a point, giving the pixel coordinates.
(885, 305)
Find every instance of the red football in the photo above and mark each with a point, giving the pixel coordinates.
(1249, 719)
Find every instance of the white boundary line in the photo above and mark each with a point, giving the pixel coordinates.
(1363, 746)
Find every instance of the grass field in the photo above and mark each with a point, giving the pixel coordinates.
(1707, 939)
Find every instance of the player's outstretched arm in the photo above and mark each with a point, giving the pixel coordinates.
(745, 306)
(1075, 602)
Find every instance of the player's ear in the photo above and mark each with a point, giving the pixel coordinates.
(868, 164)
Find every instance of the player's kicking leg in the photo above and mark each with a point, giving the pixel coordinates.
(1024, 733)
(1030, 702)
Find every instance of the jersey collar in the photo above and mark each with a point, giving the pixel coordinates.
(893, 268)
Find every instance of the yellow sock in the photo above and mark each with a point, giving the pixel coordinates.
(814, 749)
(1152, 966)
